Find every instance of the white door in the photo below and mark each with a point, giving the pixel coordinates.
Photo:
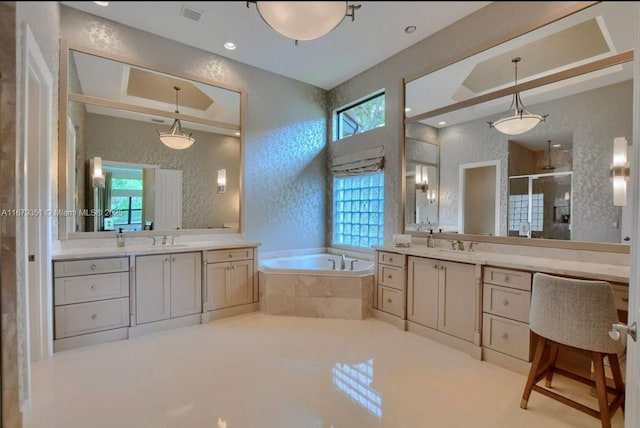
(168, 199)
(37, 98)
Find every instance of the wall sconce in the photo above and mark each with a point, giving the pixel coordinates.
(97, 177)
(422, 178)
(620, 171)
(567, 196)
(431, 196)
(222, 180)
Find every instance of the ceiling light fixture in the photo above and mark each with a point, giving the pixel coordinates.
(521, 121)
(304, 20)
(230, 46)
(442, 123)
(548, 166)
(410, 29)
(176, 138)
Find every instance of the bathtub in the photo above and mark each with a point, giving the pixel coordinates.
(308, 286)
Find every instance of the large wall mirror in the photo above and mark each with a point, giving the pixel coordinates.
(116, 173)
(552, 181)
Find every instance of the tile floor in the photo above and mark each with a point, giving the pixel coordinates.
(265, 371)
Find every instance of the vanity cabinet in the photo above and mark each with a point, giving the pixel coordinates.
(390, 283)
(168, 286)
(505, 305)
(442, 296)
(230, 278)
(91, 301)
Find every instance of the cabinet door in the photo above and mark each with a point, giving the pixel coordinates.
(240, 283)
(457, 305)
(186, 284)
(422, 297)
(153, 288)
(216, 286)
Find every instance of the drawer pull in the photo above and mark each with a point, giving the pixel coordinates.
(93, 287)
(506, 278)
(625, 299)
(435, 266)
(389, 300)
(505, 302)
(92, 267)
(230, 256)
(390, 259)
(441, 267)
(390, 276)
(505, 336)
(94, 316)
(173, 259)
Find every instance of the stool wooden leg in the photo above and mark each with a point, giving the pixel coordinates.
(553, 357)
(601, 388)
(533, 372)
(617, 376)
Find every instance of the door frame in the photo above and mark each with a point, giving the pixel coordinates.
(461, 182)
(37, 308)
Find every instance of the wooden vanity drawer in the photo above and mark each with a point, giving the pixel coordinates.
(90, 266)
(213, 256)
(391, 300)
(394, 259)
(507, 336)
(506, 302)
(78, 289)
(391, 276)
(508, 278)
(621, 296)
(83, 318)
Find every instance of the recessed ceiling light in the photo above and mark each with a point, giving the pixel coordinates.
(442, 123)
(410, 29)
(555, 146)
(230, 46)
(102, 3)
(407, 109)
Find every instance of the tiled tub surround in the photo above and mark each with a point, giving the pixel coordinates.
(308, 286)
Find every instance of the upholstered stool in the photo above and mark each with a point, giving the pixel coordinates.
(575, 314)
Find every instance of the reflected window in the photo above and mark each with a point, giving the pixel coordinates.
(360, 117)
(124, 199)
(355, 381)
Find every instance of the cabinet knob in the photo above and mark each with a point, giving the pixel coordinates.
(505, 336)
(390, 276)
(94, 316)
(506, 278)
(93, 287)
(166, 260)
(92, 267)
(389, 300)
(435, 266)
(505, 302)
(173, 259)
(441, 267)
(390, 259)
(230, 256)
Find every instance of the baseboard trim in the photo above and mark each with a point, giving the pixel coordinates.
(506, 361)
(158, 326)
(90, 339)
(388, 318)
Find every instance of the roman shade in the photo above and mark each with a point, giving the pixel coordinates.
(363, 162)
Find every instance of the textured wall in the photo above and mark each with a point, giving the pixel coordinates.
(284, 135)
(489, 26)
(596, 117)
(132, 141)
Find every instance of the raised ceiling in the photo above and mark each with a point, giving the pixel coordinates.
(353, 47)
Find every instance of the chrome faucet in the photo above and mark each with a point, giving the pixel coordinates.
(343, 262)
(352, 262)
(164, 240)
(333, 266)
(460, 245)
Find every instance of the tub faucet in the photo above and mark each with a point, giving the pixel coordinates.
(343, 262)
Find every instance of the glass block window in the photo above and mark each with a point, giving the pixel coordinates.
(519, 212)
(358, 210)
(360, 117)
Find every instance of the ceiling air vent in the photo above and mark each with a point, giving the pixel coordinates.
(191, 13)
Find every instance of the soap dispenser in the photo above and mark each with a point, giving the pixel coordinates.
(120, 238)
(431, 242)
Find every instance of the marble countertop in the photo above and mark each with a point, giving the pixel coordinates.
(141, 249)
(579, 269)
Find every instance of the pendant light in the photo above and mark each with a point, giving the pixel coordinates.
(176, 138)
(548, 166)
(521, 121)
(304, 20)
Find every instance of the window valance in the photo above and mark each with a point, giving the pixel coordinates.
(363, 162)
